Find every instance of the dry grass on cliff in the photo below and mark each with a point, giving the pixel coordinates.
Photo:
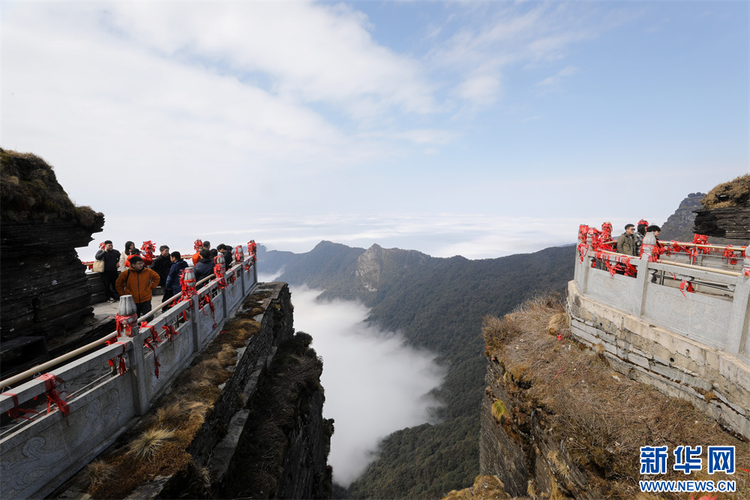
(735, 193)
(29, 190)
(157, 444)
(602, 416)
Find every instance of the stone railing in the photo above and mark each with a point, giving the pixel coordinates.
(38, 455)
(706, 304)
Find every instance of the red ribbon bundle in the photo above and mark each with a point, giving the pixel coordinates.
(126, 322)
(686, 286)
(121, 368)
(188, 287)
(53, 395)
(219, 275)
(206, 299)
(170, 332)
(197, 245)
(154, 333)
(728, 255)
(149, 342)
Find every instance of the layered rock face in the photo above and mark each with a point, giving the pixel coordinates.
(44, 285)
(732, 223)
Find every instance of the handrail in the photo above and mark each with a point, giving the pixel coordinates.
(700, 268)
(54, 362)
(60, 359)
(701, 245)
(679, 264)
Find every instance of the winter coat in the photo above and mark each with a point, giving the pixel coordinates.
(626, 244)
(173, 278)
(162, 265)
(138, 284)
(110, 259)
(204, 267)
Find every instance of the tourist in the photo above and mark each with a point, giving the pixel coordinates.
(226, 251)
(205, 266)
(111, 258)
(639, 234)
(130, 250)
(197, 255)
(162, 264)
(626, 241)
(173, 285)
(138, 281)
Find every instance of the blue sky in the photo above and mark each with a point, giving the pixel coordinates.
(472, 128)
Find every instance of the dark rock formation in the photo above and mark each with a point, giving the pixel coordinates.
(44, 285)
(679, 225)
(725, 211)
(732, 223)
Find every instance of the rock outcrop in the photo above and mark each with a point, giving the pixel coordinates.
(44, 285)
(725, 211)
(558, 422)
(679, 225)
(732, 223)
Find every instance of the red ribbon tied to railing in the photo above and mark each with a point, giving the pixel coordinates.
(121, 367)
(207, 300)
(728, 255)
(170, 333)
(125, 322)
(53, 395)
(149, 343)
(16, 413)
(686, 286)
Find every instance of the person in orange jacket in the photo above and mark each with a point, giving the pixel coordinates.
(138, 281)
(197, 255)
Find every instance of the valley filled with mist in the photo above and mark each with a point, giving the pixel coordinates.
(399, 334)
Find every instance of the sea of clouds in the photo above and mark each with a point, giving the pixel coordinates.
(374, 382)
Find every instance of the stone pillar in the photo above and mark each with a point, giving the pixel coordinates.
(126, 316)
(737, 330)
(638, 292)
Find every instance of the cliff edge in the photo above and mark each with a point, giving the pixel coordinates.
(558, 422)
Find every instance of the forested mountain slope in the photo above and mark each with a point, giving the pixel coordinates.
(438, 304)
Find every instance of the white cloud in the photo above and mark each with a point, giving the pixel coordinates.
(556, 80)
(311, 52)
(375, 384)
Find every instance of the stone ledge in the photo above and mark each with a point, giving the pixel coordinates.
(675, 365)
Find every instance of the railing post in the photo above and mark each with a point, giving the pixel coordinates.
(127, 320)
(196, 311)
(737, 329)
(582, 267)
(641, 280)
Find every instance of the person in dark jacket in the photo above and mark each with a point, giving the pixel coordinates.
(111, 258)
(173, 285)
(162, 264)
(205, 266)
(227, 253)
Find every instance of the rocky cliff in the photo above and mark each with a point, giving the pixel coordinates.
(558, 422)
(244, 421)
(44, 286)
(679, 225)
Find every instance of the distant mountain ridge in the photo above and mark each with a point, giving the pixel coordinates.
(438, 304)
